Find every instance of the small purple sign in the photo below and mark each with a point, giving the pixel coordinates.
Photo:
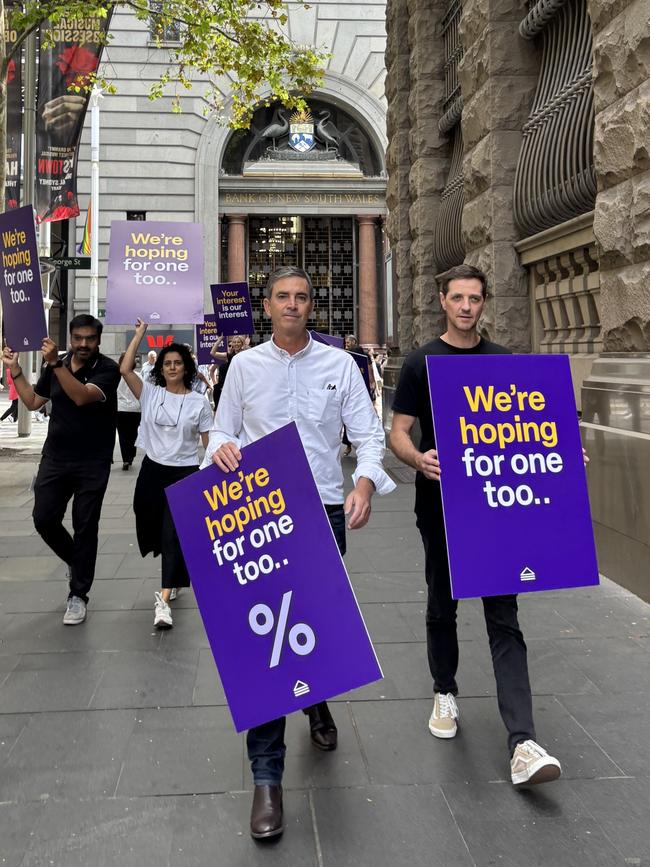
(155, 272)
(514, 487)
(232, 307)
(20, 281)
(362, 362)
(207, 335)
(328, 339)
(281, 642)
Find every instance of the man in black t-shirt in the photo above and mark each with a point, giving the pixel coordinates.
(77, 454)
(463, 296)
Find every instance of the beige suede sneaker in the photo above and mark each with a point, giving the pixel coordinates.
(444, 716)
(531, 764)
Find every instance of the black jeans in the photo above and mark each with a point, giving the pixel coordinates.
(507, 645)
(11, 411)
(127, 431)
(265, 743)
(85, 483)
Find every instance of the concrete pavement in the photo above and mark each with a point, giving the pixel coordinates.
(116, 746)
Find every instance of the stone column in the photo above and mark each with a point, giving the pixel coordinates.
(622, 133)
(236, 248)
(368, 300)
(498, 74)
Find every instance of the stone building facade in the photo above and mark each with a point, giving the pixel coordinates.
(519, 141)
(260, 203)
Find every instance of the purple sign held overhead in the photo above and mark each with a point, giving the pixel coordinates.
(513, 479)
(207, 335)
(155, 272)
(232, 307)
(284, 625)
(20, 281)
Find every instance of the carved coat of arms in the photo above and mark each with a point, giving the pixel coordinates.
(301, 132)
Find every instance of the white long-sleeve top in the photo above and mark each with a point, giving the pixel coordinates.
(321, 389)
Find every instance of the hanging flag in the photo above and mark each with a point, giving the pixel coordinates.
(85, 245)
(14, 115)
(66, 69)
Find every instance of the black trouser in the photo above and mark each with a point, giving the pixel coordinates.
(127, 431)
(12, 411)
(265, 743)
(56, 483)
(507, 645)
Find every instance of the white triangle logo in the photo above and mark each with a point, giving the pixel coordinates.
(527, 574)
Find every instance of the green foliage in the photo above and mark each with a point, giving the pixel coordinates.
(233, 47)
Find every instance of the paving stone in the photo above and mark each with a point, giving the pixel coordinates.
(17, 822)
(401, 825)
(385, 623)
(616, 664)
(185, 751)
(207, 684)
(388, 587)
(27, 568)
(146, 679)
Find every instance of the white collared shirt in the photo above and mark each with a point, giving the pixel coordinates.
(321, 389)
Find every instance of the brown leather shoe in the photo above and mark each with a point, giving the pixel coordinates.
(324, 735)
(266, 812)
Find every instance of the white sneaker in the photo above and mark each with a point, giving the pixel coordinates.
(531, 764)
(162, 617)
(75, 611)
(442, 723)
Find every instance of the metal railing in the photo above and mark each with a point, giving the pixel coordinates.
(555, 178)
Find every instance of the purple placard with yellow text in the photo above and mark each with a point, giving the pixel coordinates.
(514, 487)
(155, 272)
(20, 281)
(284, 625)
(207, 335)
(232, 307)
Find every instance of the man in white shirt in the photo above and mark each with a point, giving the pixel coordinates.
(293, 378)
(149, 364)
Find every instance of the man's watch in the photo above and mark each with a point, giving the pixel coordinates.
(57, 363)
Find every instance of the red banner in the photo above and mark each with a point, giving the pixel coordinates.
(65, 70)
(14, 118)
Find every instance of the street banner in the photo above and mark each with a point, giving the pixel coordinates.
(157, 338)
(20, 281)
(232, 307)
(14, 113)
(362, 362)
(207, 335)
(69, 55)
(155, 272)
(328, 339)
(514, 486)
(280, 614)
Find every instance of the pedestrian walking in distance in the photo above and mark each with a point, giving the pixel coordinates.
(173, 417)
(128, 421)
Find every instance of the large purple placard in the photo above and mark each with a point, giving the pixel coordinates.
(514, 486)
(20, 281)
(232, 307)
(328, 339)
(155, 272)
(280, 614)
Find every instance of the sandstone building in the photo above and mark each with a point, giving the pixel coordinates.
(519, 141)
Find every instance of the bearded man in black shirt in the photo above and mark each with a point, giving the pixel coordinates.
(78, 451)
(463, 296)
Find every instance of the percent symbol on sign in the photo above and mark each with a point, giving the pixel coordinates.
(262, 620)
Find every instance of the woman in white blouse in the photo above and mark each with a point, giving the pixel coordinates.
(173, 418)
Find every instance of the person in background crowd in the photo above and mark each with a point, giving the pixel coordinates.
(462, 297)
(78, 451)
(128, 421)
(173, 418)
(236, 344)
(293, 378)
(148, 366)
(13, 397)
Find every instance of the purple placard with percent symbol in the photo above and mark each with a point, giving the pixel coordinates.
(207, 335)
(155, 272)
(20, 281)
(280, 614)
(514, 487)
(232, 307)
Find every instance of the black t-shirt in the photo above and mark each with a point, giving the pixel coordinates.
(412, 398)
(82, 433)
